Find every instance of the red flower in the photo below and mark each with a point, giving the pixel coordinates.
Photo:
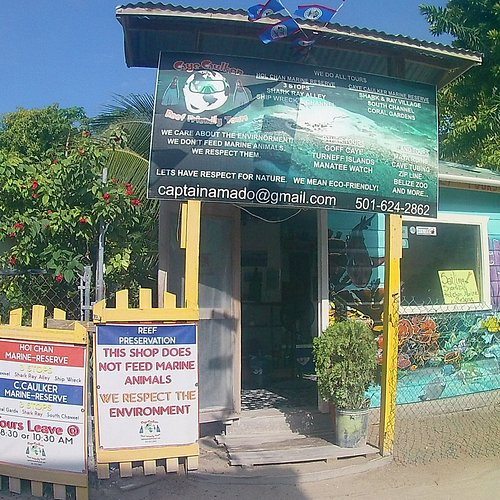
(12, 260)
(106, 196)
(35, 195)
(12, 235)
(129, 191)
(34, 185)
(49, 211)
(136, 202)
(55, 161)
(83, 220)
(18, 225)
(59, 278)
(114, 181)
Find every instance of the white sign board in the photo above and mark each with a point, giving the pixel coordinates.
(146, 385)
(42, 405)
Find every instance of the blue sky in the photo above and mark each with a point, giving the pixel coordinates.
(70, 52)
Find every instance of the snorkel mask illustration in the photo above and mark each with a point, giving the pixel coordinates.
(205, 91)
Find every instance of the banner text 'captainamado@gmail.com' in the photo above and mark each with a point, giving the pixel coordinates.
(262, 195)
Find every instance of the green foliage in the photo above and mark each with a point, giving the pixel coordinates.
(53, 203)
(129, 118)
(345, 357)
(126, 125)
(35, 132)
(469, 121)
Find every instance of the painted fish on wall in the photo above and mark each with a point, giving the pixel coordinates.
(350, 271)
(359, 263)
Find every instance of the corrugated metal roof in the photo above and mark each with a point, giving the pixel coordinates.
(465, 174)
(153, 27)
(156, 6)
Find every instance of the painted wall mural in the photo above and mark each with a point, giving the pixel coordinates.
(354, 290)
(446, 355)
(440, 355)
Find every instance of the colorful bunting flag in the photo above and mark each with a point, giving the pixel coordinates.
(283, 29)
(314, 12)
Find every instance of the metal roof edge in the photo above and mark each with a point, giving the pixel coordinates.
(462, 179)
(240, 15)
(457, 173)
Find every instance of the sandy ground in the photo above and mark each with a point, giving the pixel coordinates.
(439, 456)
(457, 479)
(460, 479)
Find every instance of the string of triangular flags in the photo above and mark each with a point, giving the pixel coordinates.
(289, 26)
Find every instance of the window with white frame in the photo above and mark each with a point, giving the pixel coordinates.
(445, 264)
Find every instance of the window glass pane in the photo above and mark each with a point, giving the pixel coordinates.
(431, 247)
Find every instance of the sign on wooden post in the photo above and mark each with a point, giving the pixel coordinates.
(43, 405)
(145, 385)
(146, 373)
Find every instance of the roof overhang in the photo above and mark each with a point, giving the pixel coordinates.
(468, 177)
(152, 28)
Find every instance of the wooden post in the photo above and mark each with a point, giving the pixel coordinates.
(393, 253)
(168, 314)
(192, 242)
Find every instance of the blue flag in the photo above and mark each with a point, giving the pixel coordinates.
(285, 28)
(315, 12)
(271, 7)
(254, 11)
(264, 10)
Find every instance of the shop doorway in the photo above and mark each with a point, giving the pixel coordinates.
(279, 304)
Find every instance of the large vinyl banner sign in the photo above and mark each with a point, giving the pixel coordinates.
(248, 131)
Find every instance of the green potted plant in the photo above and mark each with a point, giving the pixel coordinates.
(345, 358)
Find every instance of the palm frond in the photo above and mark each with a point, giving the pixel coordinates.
(132, 114)
(128, 166)
(134, 106)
